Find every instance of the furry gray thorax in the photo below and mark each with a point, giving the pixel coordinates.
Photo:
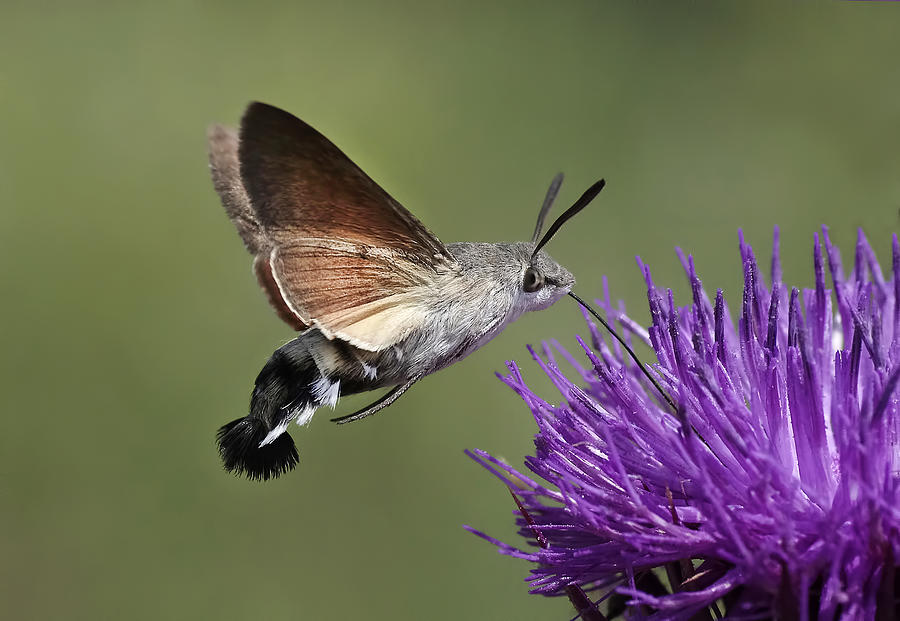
(470, 305)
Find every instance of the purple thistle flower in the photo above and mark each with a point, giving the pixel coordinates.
(772, 491)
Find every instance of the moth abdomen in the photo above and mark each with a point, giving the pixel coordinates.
(242, 451)
(291, 386)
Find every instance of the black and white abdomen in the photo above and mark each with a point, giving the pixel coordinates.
(301, 376)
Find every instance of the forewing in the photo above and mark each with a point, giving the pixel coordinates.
(347, 257)
(370, 297)
(225, 169)
(302, 186)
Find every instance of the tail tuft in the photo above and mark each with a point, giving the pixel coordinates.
(241, 454)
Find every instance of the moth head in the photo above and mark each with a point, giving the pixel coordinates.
(544, 280)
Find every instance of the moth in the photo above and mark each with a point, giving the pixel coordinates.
(376, 299)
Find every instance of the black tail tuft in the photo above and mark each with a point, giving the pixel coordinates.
(241, 454)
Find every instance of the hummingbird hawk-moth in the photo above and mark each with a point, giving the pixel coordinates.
(376, 299)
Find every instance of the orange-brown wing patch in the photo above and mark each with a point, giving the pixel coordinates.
(340, 253)
(370, 297)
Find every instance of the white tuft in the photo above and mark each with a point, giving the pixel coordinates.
(273, 435)
(305, 414)
(325, 391)
(369, 371)
(301, 415)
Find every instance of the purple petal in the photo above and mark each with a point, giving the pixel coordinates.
(779, 469)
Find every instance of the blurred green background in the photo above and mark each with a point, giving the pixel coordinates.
(132, 326)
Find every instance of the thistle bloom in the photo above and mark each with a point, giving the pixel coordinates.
(772, 490)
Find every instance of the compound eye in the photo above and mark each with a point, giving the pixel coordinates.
(533, 280)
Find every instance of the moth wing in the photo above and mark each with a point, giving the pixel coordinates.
(370, 297)
(222, 144)
(346, 256)
(224, 167)
(302, 186)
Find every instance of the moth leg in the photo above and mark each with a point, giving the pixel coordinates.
(382, 403)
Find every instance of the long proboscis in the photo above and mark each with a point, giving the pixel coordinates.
(552, 191)
(630, 351)
(580, 204)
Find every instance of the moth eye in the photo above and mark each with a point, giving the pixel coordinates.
(533, 280)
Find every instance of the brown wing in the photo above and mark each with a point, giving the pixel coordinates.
(225, 169)
(301, 185)
(346, 256)
(370, 297)
(262, 267)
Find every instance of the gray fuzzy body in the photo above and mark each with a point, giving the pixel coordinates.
(467, 308)
(469, 304)
(472, 306)
(379, 301)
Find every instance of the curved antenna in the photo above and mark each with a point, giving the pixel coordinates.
(552, 191)
(580, 204)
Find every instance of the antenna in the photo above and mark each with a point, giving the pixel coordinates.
(552, 191)
(580, 204)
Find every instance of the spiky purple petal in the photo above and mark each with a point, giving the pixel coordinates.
(773, 489)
